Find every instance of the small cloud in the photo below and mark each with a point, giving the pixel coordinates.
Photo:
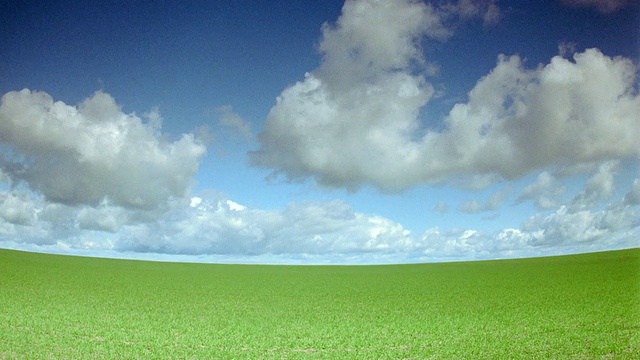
(233, 206)
(493, 15)
(441, 207)
(231, 120)
(493, 203)
(604, 6)
(470, 207)
(195, 201)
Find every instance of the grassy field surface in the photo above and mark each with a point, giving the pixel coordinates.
(582, 306)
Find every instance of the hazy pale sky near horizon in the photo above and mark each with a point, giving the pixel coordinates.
(320, 131)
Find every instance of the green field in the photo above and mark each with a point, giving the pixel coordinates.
(581, 306)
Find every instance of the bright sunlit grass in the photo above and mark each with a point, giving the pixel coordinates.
(583, 306)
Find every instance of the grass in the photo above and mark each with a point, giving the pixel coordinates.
(580, 306)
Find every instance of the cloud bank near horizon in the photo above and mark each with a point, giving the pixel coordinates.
(323, 232)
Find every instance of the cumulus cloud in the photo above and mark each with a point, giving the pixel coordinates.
(93, 152)
(362, 102)
(354, 121)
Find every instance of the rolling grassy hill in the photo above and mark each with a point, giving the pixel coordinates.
(579, 306)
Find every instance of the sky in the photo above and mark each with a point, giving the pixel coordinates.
(320, 132)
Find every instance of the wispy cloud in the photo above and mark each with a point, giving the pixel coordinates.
(227, 118)
(604, 6)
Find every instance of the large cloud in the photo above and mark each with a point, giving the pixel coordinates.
(356, 119)
(92, 154)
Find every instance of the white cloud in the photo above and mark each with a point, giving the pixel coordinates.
(233, 206)
(355, 120)
(361, 103)
(93, 152)
(195, 201)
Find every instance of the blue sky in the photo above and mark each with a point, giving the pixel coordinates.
(320, 132)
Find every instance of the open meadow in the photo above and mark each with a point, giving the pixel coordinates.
(580, 306)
